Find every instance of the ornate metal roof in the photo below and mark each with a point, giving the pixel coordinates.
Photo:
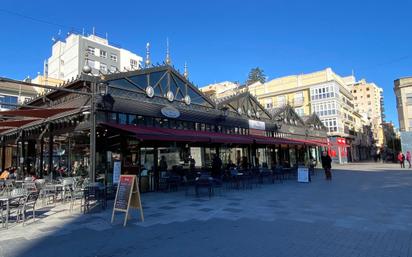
(244, 104)
(162, 81)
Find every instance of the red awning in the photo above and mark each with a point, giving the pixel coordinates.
(167, 134)
(4, 129)
(15, 123)
(38, 113)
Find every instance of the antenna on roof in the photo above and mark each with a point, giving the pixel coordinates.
(83, 31)
(147, 61)
(93, 31)
(186, 73)
(107, 36)
(168, 60)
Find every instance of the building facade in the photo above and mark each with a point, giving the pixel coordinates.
(69, 57)
(368, 99)
(14, 93)
(403, 93)
(324, 93)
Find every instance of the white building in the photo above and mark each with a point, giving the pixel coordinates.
(69, 57)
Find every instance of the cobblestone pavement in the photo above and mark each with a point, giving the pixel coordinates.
(366, 210)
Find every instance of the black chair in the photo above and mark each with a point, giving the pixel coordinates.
(204, 182)
(94, 195)
(278, 174)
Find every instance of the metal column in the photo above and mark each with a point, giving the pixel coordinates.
(92, 168)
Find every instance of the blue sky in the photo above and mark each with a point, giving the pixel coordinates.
(223, 40)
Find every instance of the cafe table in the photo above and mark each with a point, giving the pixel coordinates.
(6, 200)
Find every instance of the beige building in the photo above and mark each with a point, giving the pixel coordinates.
(323, 92)
(368, 99)
(46, 81)
(403, 92)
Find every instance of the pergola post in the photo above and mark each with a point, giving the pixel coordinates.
(50, 161)
(41, 157)
(3, 154)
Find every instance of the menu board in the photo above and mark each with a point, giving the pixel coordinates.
(127, 196)
(123, 192)
(303, 174)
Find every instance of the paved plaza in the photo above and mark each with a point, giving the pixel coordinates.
(366, 210)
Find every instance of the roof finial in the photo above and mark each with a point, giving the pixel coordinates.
(147, 62)
(186, 73)
(168, 60)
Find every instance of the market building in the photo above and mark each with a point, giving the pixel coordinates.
(126, 122)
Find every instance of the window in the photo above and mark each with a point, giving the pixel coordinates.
(368, 96)
(91, 63)
(268, 103)
(409, 99)
(113, 57)
(410, 122)
(367, 89)
(9, 100)
(62, 62)
(354, 91)
(122, 118)
(133, 64)
(113, 68)
(298, 98)
(103, 67)
(300, 111)
(103, 54)
(281, 100)
(90, 50)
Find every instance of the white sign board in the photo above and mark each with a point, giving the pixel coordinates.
(117, 167)
(303, 174)
(255, 124)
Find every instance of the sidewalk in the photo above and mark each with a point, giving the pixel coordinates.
(362, 213)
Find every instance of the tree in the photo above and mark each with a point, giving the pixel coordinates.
(255, 74)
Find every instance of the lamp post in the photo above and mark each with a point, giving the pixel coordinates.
(92, 167)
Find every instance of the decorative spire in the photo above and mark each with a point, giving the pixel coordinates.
(168, 60)
(147, 62)
(186, 73)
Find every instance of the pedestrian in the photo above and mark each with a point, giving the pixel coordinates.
(217, 167)
(401, 159)
(408, 158)
(163, 164)
(327, 165)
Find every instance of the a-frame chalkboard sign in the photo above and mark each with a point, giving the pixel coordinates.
(127, 196)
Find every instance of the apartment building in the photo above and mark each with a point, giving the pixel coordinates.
(70, 55)
(368, 99)
(323, 92)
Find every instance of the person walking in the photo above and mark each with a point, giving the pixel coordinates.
(408, 158)
(327, 165)
(401, 159)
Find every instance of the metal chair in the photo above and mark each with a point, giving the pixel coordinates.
(30, 204)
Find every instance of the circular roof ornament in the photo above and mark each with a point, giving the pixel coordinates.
(87, 69)
(239, 110)
(249, 113)
(187, 100)
(170, 96)
(149, 91)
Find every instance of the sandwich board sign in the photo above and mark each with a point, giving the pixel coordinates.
(127, 196)
(303, 174)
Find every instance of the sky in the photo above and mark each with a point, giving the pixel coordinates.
(222, 40)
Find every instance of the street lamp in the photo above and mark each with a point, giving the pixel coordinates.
(92, 174)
